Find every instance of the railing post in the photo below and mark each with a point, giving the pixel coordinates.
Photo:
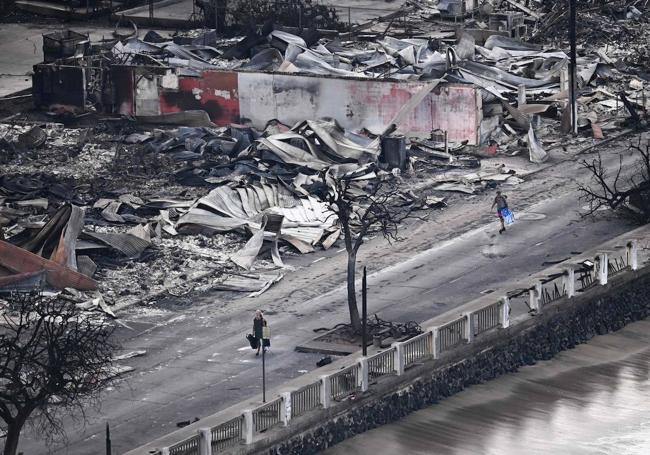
(286, 408)
(602, 268)
(504, 313)
(399, 358)
(164, 451)
(469, 327)
(569, 279)
(434, 342)
(248, 426)
(205, 446)
(534, 295)
(363, 364)
(632, 254)
(325, 391)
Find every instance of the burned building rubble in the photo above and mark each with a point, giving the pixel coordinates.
(195, 164)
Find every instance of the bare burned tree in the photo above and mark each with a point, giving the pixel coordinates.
(54, 360)
(376, 207)
(629, 196)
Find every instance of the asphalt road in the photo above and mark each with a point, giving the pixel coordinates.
(197, 358)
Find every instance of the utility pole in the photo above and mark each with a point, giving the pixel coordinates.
(108, 440)
(263, 372)
(364, 314)
(216, 22)
(573, 67)
(266, 335)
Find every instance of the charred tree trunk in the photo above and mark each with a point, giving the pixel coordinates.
(13, 436)
(355, 320)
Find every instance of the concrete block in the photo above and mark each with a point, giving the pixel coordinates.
(534, 296)
(326, 391)
(504, 312)
(363, 364)
(435, 342)
(399, 358)
(205, 446)
(248, 426)
(286, 407)
(603, 269)
(469, 327)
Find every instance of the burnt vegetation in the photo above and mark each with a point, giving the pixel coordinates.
(626, 196)
(54, 361)
(365, 208)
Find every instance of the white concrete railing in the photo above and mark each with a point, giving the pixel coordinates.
(345, 382)
(269, 415)
(188, 447)
(417, 349)
(453, 334)
(227, 434)
(382, 363)
(305, 399)
(355, 378)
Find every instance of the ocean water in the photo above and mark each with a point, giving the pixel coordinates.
(593, 399)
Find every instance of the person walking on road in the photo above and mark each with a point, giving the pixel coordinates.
(501, 203)
(258, 329)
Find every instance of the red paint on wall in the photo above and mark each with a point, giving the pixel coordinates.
(215, 92)
(456, 109)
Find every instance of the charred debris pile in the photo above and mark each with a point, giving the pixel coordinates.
(117, 214)
(511, 51)
(113, 210)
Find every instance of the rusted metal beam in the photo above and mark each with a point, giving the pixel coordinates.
(19, 260)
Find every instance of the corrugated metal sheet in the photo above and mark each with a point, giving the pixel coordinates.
(127, 244)
(22, 281)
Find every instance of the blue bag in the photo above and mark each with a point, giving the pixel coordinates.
(508, 216)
